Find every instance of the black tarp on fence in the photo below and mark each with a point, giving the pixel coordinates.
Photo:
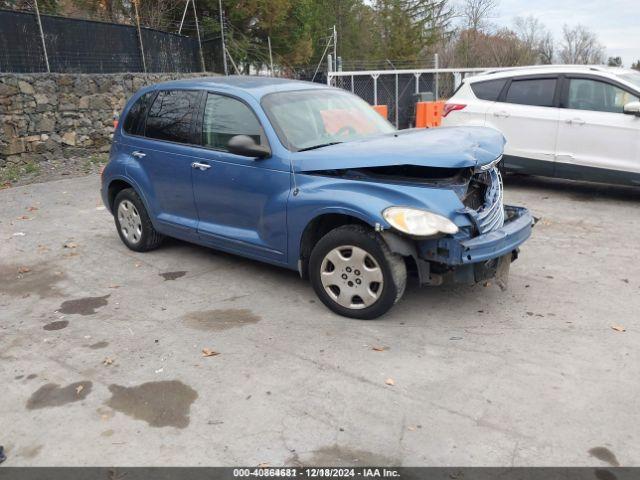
(87, 46)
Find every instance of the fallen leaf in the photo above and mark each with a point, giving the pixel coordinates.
(79, 388)
(108, 361)
(377, 348)
(70, 245)
(32, 209)
(411, 429)
(618, 328)
(114, 286)
(137, 265)
(390, 381)
(263, 465)
(23, 217)
(209, 353)
(24, 269)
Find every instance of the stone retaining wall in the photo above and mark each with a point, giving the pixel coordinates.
(48, 116)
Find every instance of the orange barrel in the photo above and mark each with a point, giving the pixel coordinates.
(421, 114)
(429, 114)
(382, 110)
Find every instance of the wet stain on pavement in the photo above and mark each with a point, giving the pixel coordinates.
(172, 275)
(219, 320)
(31, 376)
(40, 280)
(339, 455)
(98, 345)
(58, 325)
(52, 395)
(160, 404)
(83, 306)
(18, 377)
(29, 452)
(604, 454)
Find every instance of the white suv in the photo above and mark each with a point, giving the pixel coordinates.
(568, 121)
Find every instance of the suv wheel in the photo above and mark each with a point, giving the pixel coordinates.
(354, 273)
(133, 223)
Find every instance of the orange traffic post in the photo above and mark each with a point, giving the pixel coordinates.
(382, 110)
(429, 114)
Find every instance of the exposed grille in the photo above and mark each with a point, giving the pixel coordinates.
(491, 214)
(483, 200)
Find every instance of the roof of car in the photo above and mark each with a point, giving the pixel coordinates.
(254, 85)
(542, 69)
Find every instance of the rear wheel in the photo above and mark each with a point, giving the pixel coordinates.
(133, 223)
(354, 273)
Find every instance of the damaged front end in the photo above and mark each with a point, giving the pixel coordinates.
(488, 232)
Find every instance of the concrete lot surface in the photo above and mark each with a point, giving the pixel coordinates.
(101, 349)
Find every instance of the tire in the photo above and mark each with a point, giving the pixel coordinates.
(133, 223)
(356, 253)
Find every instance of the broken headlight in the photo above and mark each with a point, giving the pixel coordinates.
(420, 223)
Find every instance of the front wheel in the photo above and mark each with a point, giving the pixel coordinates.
(354, 273)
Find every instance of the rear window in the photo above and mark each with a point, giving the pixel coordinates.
(171, 115)
(538, 91)
(489, 90)
(134, 122)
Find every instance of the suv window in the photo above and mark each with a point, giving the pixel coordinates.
(586, 94)
(489, 90)
(171, 115)
(537, 91)
(134, 122)
(226, 117)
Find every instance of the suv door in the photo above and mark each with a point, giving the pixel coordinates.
(596, 140)
(163, 156)
(527, 116)
(241, 201)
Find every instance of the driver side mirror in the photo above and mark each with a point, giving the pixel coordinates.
(632, 108)
(247, 147)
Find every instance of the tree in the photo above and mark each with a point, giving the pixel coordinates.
(636, 65)
(614, 62)
(580, 46)
(535, 38)
(476, 13)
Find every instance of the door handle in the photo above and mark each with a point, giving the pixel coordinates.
(137, 154)
(577, 121)
(200, 166)
(502, 114)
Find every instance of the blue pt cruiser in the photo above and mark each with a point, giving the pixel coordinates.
(311, 178)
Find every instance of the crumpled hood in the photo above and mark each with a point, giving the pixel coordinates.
(447, 147)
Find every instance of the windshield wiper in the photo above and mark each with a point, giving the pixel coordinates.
(318, 146)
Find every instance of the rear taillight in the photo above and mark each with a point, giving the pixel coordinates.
(452, 107)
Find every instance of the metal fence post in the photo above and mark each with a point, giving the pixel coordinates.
(437, 92)
(417, 75)
(195, 14)
(44, 46)
(397, 123)
(375, 89)
(144, 62)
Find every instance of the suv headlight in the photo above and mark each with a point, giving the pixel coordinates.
(420, 223)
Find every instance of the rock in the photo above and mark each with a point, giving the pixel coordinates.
(14, 146)
(26, 88)
(69, 138)
(7, 90)
(41, 99)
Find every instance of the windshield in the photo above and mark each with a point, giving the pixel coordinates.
(307, 119)
(631, 77)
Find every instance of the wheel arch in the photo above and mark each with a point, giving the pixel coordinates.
(318, 227)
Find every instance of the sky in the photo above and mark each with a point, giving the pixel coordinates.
(616, 22)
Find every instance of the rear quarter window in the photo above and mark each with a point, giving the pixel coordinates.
(134, 121)
(489, 90)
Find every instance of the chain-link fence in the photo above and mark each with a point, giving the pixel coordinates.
(399, 90)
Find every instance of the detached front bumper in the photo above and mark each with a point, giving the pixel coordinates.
(471, 260)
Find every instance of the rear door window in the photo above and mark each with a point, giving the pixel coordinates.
(171, 116)
(226, 117)
(538, 92)
(489, 90)
(134, 122)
